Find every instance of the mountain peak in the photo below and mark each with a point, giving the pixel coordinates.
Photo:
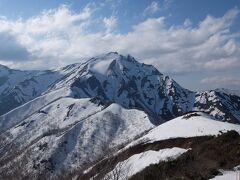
(113, 53)
(229, 91)
(71, 115)
(3, 67)
(104, 63)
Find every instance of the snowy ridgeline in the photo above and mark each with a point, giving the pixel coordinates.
(187, 126)
(190, 125)
(229, 175)
(138, 162)
(119, 79)
(69, 131)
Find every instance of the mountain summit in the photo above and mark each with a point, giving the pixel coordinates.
(114, 78)
(59, 120)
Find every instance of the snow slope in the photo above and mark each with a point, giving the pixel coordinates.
(223, 106)
(123, 80)
(190, 125)
(228, 175)
(18, 87)
(67, 133)
(138, 162)
(117, 79)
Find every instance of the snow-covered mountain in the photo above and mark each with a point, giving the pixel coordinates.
(222, 106)
(229, 91)
(189, 125)
(114, 78)
(18, 87)
(68, 133)
(164, 143)
(60, 120)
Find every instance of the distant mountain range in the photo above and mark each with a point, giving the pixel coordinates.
(113, 78)
(63, 120)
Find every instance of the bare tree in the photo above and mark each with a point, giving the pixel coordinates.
(111, 167)
(120, 172)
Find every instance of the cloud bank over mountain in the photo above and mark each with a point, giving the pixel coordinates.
(60, 36)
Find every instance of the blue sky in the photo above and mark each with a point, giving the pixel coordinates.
(194, 41)
(175, 11)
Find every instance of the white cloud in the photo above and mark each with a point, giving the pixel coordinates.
(49, 21)
(56, 20)
(47, 35)
(221, 82)
(223, 63)
(187, 22)
(60, 36)
(110, 23)
(167, 3)
(11, 49)
(152, 8)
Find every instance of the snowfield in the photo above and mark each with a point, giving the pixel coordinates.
(228, 175)
(138, 162)
(71, 132)
(187, 126)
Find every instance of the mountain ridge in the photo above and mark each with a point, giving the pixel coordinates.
(80, 111)
(115, 78)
